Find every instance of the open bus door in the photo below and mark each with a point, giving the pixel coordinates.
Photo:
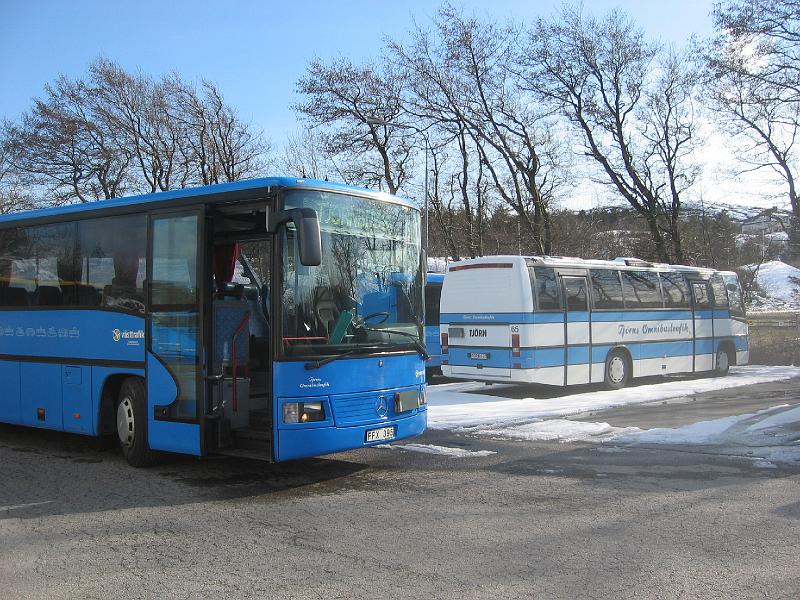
(174, 393)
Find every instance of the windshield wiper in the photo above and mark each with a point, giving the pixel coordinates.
(316, 364)
(417, 344)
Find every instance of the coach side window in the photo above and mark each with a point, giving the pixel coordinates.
(51, 260)
(17, 268)
(545, 288)
(718, 290)
(676, 292)
(433, 295)
(734, 295)
(112, 253)
(642, 289)
(606, 289)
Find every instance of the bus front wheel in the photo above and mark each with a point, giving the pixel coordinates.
(131, 417)
(618, 370)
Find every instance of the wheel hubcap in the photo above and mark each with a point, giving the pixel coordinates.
(126, 427)
(722, 361)
(616, 369)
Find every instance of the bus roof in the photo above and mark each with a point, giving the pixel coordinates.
(569, 261)
(225, 191)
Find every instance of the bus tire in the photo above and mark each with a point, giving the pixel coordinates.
(131, 420)
(618, 370)
(722, 364)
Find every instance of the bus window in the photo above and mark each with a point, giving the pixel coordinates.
(676, 293)
(718, 290)
(111, 258)
(575, 290)
(734, 295)
(702, 296)
(641, 289)
(546, 289)
(606, 289)
(51, 251)
(433, 293)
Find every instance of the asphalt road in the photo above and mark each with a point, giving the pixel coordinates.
(542, 519)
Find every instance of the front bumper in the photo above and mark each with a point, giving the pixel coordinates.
(304, 443)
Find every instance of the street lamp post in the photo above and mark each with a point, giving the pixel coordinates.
(384, 122)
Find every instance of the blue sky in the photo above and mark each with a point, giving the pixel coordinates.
(254, 50)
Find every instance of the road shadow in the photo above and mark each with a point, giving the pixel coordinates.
(47, 473)
(643, 468)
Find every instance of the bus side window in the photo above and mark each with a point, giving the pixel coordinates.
(433, 294)
(718, 289)
(734, 295)
(642, 289)
(676, 292)
(606, 289)
(702, 297)
(545, 288)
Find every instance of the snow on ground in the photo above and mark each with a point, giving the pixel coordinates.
(769, 436)
(438, 264)
(562, 430)
(775, 278)
(460, 406)
(442, 450)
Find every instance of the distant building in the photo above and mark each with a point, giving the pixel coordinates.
(768, 221)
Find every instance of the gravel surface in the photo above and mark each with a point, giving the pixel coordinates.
(536, 519)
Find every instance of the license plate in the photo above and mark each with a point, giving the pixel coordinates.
(380, 435)
(479, 355)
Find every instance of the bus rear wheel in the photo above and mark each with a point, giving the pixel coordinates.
(131, 418)
(618, 370)
(723, 362)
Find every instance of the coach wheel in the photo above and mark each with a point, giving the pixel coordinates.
(618, 371)
(132, 423)
(723, 363)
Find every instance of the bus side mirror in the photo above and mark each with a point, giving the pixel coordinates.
(306, 221)
(732, 287)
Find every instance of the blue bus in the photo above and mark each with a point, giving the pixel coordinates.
(567, 321)
(433, 294)
(274, 318)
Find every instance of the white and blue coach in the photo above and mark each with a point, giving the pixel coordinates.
(566, 321)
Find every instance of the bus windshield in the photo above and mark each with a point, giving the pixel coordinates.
(367, 293)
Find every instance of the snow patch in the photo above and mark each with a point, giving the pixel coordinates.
(433, 449)
(459, 405)
(704, 432)
(763, 434)
(562, 430)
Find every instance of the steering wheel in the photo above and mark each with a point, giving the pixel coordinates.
(383, 314)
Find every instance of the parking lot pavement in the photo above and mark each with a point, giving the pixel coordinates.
(544, 519)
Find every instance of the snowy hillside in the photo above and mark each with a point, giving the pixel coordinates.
(780, 284)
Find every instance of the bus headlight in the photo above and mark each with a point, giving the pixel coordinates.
(303, 412)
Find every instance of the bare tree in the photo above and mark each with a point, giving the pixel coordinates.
(13, 197)
(114, 132)
(463, 82)
(62, 145)
(633, 113)
(754, 70)
(351, 102)
(304, 156)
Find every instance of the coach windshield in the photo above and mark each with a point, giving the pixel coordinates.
(366, 295)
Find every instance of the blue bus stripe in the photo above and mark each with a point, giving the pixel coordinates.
(581, 316)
